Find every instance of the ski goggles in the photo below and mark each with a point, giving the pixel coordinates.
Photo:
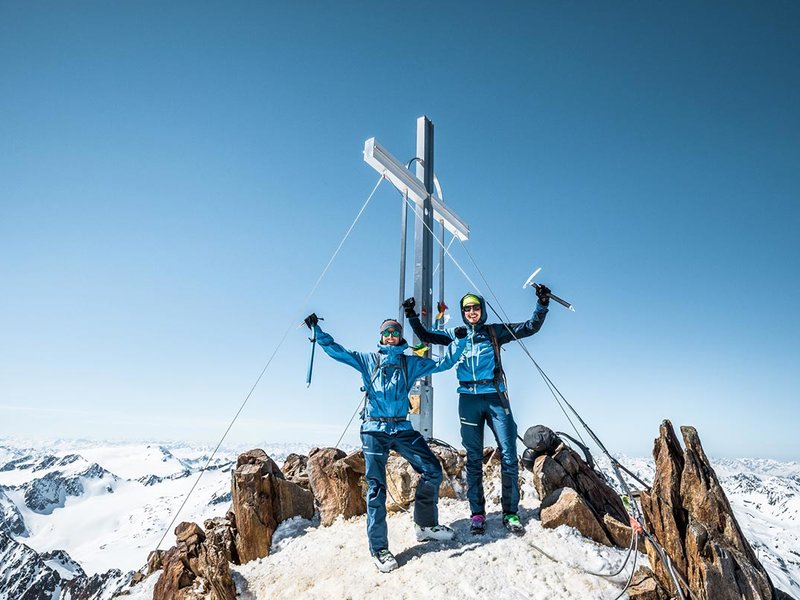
(390, 333)
(472, 308)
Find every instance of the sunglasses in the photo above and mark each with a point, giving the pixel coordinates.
(390, 333)
(472, 308)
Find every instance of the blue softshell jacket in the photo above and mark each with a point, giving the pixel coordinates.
(478, 360)
(387, 395)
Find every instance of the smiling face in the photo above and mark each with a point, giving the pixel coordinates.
(391, 336)
(472, 313)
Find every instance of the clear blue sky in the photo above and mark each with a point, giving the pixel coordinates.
(174, 177)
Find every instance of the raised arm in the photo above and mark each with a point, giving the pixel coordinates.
(521, 330)
(357, 360)
(434, 336)
(426, 366)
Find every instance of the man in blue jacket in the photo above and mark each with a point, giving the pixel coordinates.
(483, 399)
(388, 376)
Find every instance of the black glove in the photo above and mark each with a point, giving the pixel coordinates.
(542, 292)
(461, 332)
(408, 306)
(311, 320)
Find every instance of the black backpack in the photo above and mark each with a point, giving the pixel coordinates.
(540, 440)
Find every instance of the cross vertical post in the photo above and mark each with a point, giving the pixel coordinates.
(423, 262)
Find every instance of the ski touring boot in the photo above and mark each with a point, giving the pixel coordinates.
(513, 524)
(384, 560)
(477, 525)
(437, 532)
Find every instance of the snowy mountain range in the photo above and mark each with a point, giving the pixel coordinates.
(78, 518)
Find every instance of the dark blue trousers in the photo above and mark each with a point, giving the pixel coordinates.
(409, 444)
(475, 411)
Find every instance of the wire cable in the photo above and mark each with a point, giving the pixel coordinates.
(269, 361)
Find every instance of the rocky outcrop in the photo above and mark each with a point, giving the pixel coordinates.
(11, 521)
(27, 575)
(47, 493)
(645, 586)
(690, 516)
(197, 566)
(295, 469)
(565, 506)
(336, 479)
(401, 479)
(262, 498)
(574, 494)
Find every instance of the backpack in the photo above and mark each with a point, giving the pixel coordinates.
(540, 440)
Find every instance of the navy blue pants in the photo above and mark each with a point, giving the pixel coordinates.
(475, 411)
(409, 444)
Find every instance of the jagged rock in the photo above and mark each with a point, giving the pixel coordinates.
(155, 561)
(335, 479)
(175, 577)
(27, 575)
(11, 521)
(261, 499)
(599, 513)
(618, 533)
(566, 507)
(645, 586)
(662, 505)
(402, 479)
(197, 565)
(23, 573)
(690, 516)
(295, 469)
(222, 533)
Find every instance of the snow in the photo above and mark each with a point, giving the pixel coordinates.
(117, 520)
(309, 561)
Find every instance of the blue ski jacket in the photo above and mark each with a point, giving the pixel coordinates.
(476, 370)
(389, 384)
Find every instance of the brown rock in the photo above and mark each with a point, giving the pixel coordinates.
(196, 565)
(223, 534)
(214, 565)
(645, 586)
(566, 507)
(566, 469)
(690, 516)
(155, 561)
(253, 498)
(619, 532)
(335, 480)
(261, 499)
(295, 469)
(175, 577)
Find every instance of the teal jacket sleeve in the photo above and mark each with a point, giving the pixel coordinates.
(426, 366)
(357, 360)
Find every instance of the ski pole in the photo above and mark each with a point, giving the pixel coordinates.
(551, 295)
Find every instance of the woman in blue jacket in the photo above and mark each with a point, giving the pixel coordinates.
(483, 399)
(388, 376)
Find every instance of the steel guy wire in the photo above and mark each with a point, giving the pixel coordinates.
(269, 361)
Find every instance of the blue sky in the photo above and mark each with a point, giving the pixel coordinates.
(175, 176)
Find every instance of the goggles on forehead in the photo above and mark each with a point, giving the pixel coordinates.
(472, 308)
(390, 333)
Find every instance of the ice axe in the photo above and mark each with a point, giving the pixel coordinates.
(313, 340)
(552, 296)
